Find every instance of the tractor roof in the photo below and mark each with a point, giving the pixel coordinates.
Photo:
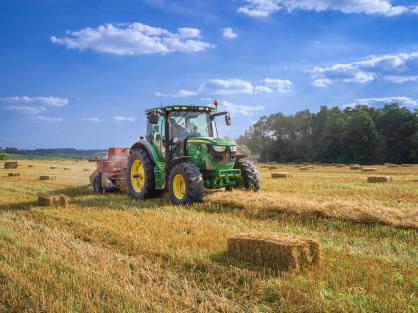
(182, 107)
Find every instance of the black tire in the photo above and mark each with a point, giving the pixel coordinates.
(194, 186)
(97, 183)
(148, 189)
(250, 179)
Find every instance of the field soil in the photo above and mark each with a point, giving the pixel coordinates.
(106, 253)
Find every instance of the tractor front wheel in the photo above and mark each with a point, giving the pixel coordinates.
(140, 175)
(250, 179)
(185, 184)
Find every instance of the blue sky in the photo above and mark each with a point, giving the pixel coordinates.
(76, 73)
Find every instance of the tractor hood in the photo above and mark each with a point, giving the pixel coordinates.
(213, 141)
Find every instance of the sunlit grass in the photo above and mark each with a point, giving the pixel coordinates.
(106, 253)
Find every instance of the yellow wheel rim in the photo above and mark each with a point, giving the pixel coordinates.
(179, 186)
(137, 176)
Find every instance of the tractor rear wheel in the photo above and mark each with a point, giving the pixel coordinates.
(140, 176)
(250, 179)
(185, 184)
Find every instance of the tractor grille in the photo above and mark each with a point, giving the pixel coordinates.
(226, 156)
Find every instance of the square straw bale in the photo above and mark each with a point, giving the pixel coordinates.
(45, 200)
(356, 167)
(45, 177)
(61, 200)
(280, 175)
(305, 168)
(379, 179)
(277, 251)
(369, 169)
(10, 164)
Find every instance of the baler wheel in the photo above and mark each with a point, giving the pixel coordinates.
(97, 183)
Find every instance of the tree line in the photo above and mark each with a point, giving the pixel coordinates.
(359, 134)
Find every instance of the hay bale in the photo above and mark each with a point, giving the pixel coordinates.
(356, 167)
(280, 175)
(53, 167)
(379, 179)
(407, 165)
(369, 169)
(30, 165)
(45, 200)
(271, 167)
(13, 174)
(50, 200)
(10, 164)
(305, 168)
(392, 165)
(45, 177)
(278, 251)
(67, 169)
(85, 169)
(340, 165)
(61, 200)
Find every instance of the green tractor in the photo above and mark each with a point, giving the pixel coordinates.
(183, 154)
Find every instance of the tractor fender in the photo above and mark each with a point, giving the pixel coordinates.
(145, 144)
(174, 162)
(239, 157)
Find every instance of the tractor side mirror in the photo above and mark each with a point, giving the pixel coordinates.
(228, 119)
(153, 117)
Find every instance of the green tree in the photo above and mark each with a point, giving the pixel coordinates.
(360, 138)
(3, 156)
(397, 128)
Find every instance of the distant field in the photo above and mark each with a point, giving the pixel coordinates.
(106, 253)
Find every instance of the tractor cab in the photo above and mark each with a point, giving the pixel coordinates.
(171, 127)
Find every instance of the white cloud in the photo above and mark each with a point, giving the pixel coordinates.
(264, 8)
(226, 86)
(91, 119)
(379, 102)
(40, 118)
(234, 86)
(397, 68)
(241, 109)
(239, 86)
(270, 85)
(124, 119)
(25, 100)
(25, 109)
(229, 33)
(182, 93)
(34, 107)
(133, 39)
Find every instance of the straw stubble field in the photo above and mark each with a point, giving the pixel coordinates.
(105, 253)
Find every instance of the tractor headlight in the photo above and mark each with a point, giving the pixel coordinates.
(219, 149)
(233, 148)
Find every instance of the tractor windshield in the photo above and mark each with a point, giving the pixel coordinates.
(191, 124)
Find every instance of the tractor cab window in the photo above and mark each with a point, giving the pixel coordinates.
(156, 134)
(191, 124)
